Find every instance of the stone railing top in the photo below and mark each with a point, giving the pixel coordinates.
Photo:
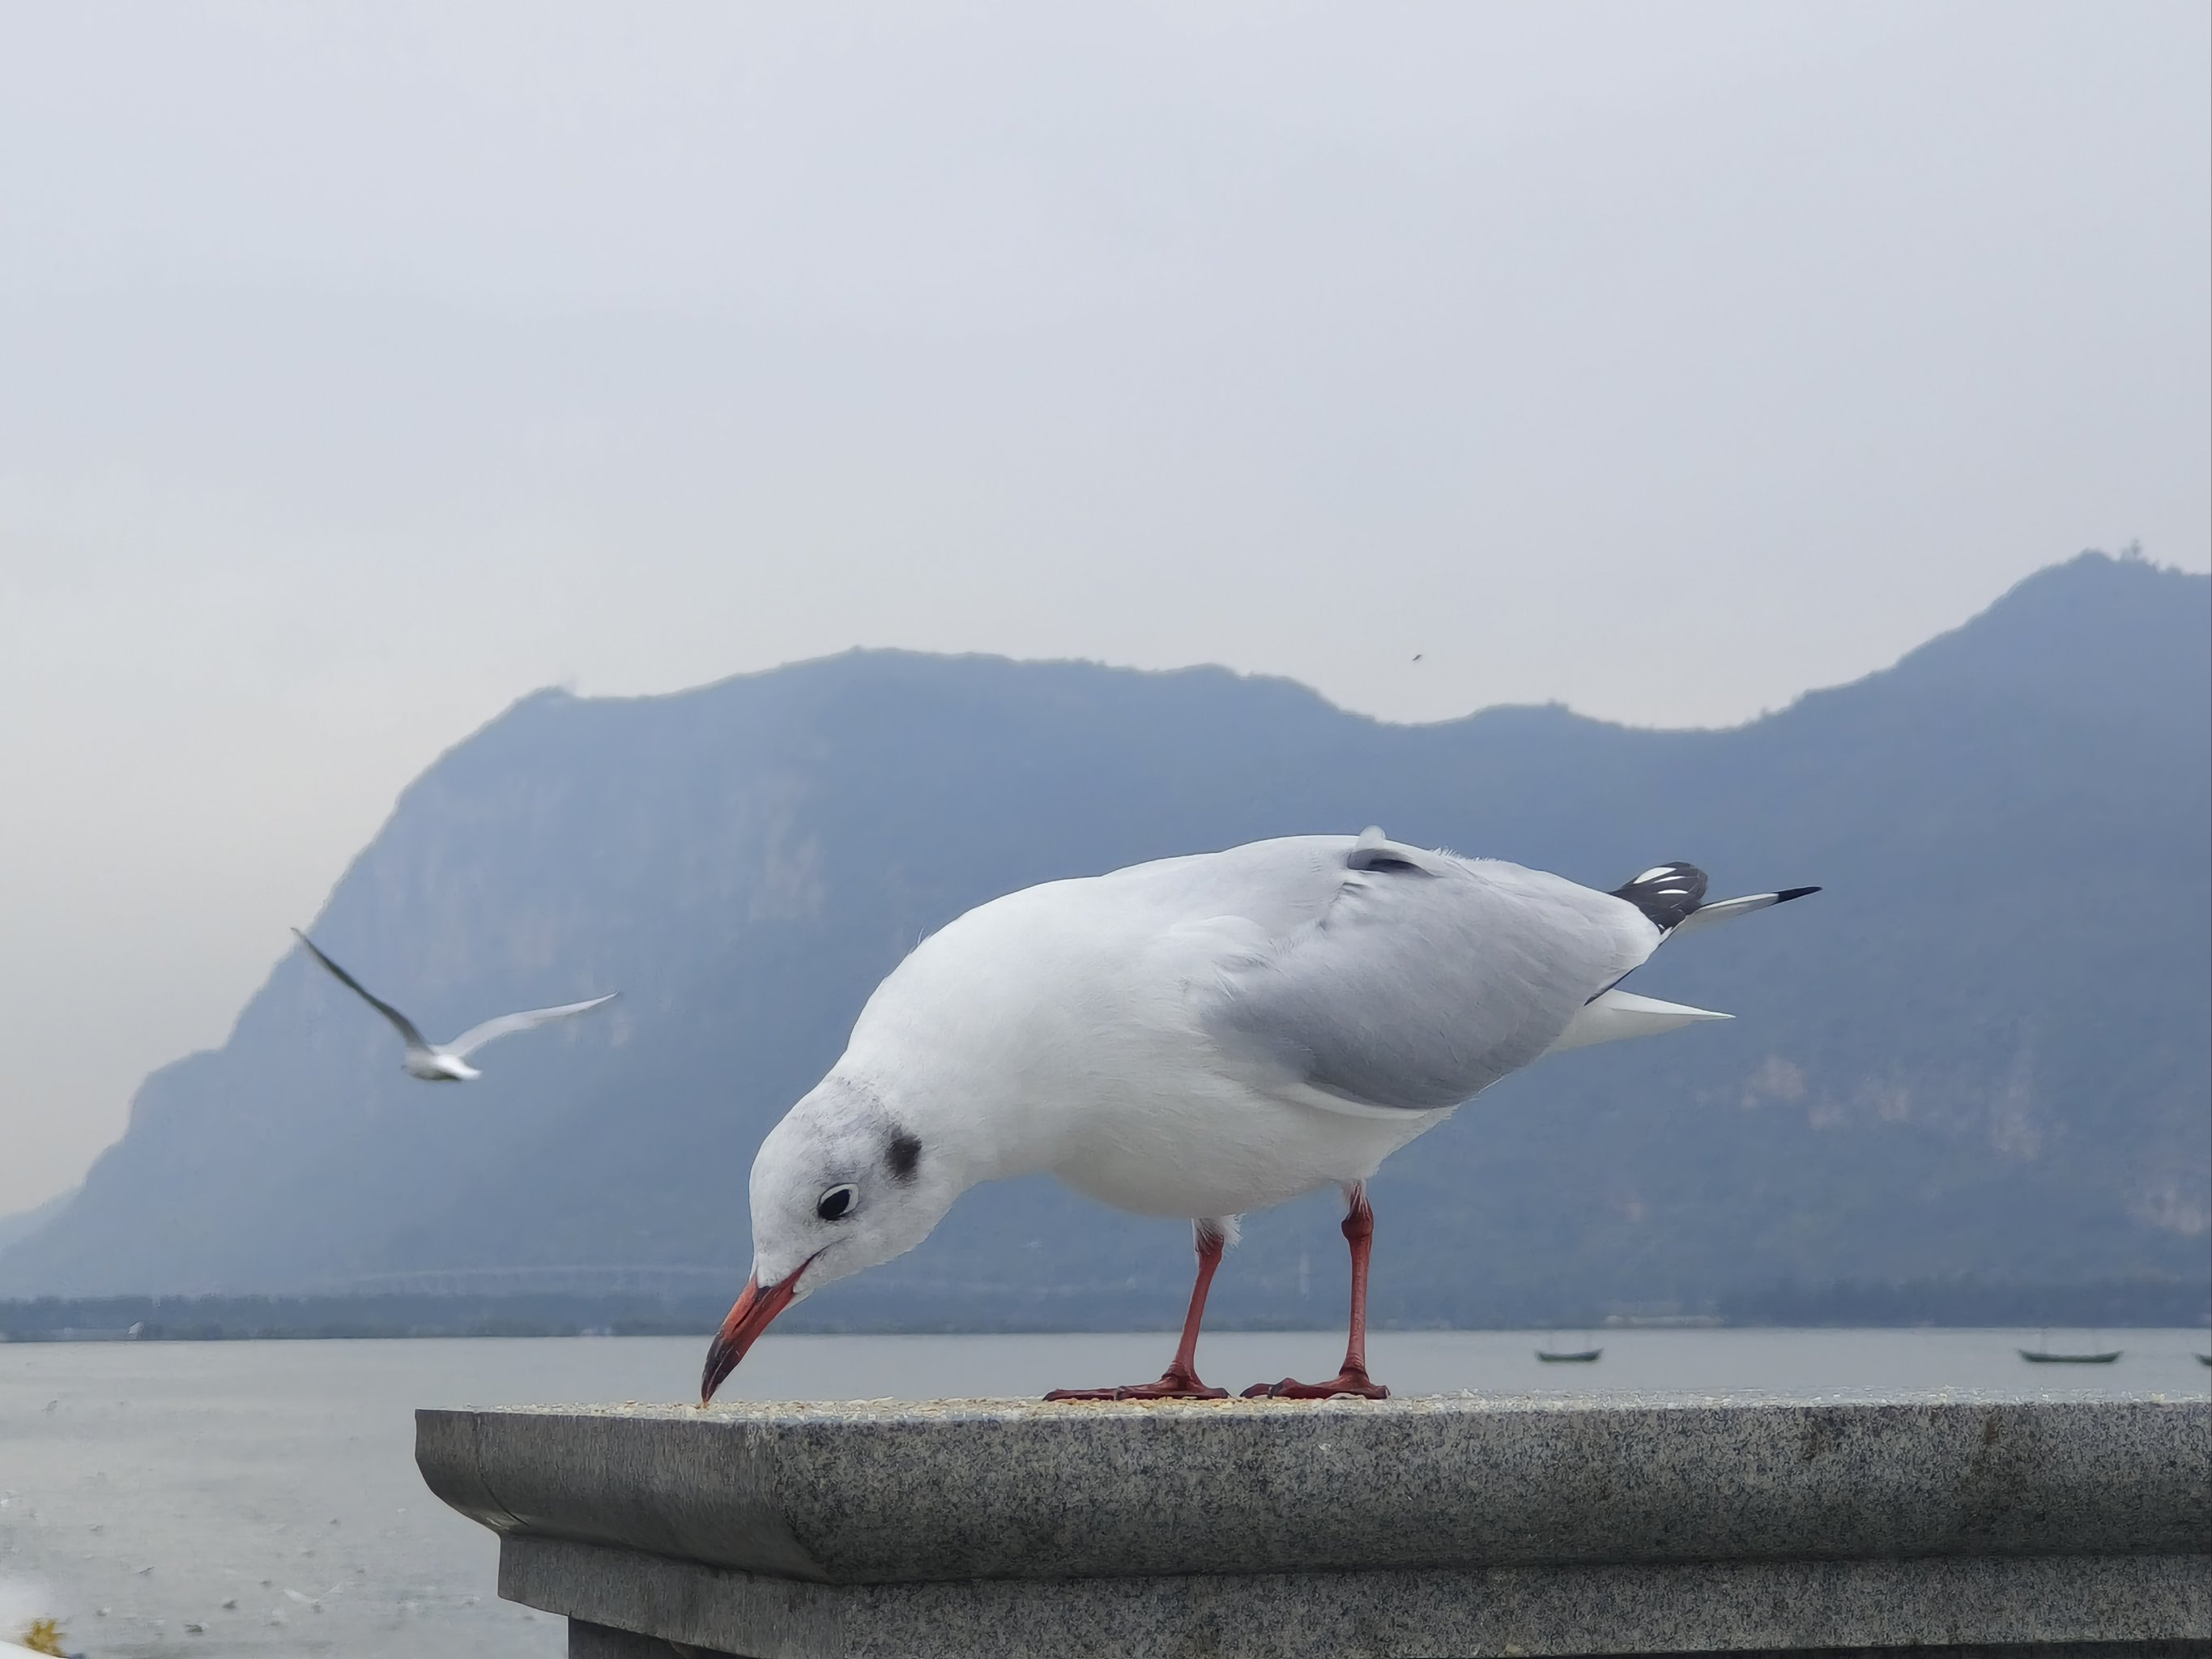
(878, 1492)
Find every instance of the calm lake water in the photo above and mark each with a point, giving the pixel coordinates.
(143, 1486)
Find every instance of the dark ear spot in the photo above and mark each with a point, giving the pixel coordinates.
(902, 1154)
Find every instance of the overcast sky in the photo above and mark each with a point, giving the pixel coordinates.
(364, 367)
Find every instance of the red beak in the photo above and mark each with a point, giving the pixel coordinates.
(755, 1308)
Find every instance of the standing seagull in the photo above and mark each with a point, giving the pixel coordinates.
(1200, 1037)
(448, 1062)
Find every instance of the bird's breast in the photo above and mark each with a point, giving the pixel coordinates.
(1214, 1146)
(1060, 1029)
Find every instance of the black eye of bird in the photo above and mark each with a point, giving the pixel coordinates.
(835, 1202)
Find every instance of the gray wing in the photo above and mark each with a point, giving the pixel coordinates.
(507, 1024)
(408, 1034)
(1426, 978)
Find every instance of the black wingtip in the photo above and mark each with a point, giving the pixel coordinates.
(1788, 893)
(1666, 893)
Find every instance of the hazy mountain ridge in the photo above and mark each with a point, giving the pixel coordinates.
(24, 1222)
(1983, 1050)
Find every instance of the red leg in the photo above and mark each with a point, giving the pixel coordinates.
(1179, 1380)
(1359, 1233)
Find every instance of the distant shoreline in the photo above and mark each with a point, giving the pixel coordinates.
(2145, 1304)
(14, 1340)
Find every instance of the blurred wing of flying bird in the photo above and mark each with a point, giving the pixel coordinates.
(507, 1024)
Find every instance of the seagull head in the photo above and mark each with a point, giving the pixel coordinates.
(840, 1184)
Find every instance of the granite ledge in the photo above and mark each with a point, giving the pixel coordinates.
(891, 1492)
(2013, 1606)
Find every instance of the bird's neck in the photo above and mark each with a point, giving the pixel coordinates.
(972, 1132)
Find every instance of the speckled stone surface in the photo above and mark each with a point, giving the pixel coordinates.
(590, 1641)
(862, 1494)
(1539, 1612)
(1402, 1527)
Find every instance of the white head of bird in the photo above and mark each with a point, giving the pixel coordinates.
(839, 1185)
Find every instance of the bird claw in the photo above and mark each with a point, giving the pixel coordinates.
(1345, 1385)
(1173, 1385)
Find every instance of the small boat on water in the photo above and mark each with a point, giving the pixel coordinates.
(2204, 1359)
(1556, 1352)
(2046, 1355)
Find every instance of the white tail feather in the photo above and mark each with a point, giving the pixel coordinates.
(1616, 1016)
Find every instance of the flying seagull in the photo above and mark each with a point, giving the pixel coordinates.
(448, 1062)
(1200, 1038)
